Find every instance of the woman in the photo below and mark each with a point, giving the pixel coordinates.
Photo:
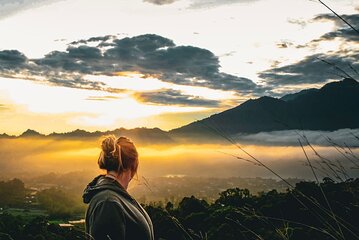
(112, 213)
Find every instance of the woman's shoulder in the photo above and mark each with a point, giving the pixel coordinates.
(107, 196)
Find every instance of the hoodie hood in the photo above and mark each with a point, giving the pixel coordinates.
(101, 183)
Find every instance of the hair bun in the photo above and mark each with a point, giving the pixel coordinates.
(110, 155)
(109, 145)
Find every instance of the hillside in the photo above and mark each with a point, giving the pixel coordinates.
(334, 106)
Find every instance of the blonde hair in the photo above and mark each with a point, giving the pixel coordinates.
(118, 155)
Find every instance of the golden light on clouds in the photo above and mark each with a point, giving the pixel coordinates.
(91, 109)
(129, 81)
(136, 81)
(128, 74)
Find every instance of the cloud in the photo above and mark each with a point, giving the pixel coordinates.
(313, 69)
(82, 59)
(14, 64)
(150, 55)
(347, 34)
(343, 31)
(160, 2)
(196, 4)
(174, 97)
(284, 44)
(12, 60)
(290, 137)
(299, 22)
(75, 82)
(102, 98)
(352, 19)
(11, 7)
(319, 68)
(94, 39)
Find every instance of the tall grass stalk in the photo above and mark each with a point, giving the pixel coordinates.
(321, 189)
(261, 217)
(340, 17)
(322, 210)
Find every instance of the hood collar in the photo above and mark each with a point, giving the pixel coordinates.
(101, 183)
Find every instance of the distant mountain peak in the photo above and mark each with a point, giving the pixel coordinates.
(141, 135)
(292, 96)
(349, 81)
(346, 82)
(266, 99)
(30, 133)
(79, 131)
(329, 108)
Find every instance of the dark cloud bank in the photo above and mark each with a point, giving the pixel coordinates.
(320, 68)
(313, 69)
(174, 97)
(149, 54)
(343, 31)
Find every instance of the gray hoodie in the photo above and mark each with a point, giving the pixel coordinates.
(113, 214)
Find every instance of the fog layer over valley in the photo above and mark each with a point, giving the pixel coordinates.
(34, 156)
(343, 137)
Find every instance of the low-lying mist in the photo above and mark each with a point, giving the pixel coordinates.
(31, 157)
(343, 137)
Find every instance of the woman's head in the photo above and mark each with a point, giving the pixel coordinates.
(118, 154)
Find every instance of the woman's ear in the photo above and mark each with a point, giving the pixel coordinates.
(128, 173)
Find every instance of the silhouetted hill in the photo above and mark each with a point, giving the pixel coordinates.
(31, 133)
(78, 133)
(143, 135)
(4, 135)
(293, 96)
(140, 135)
(332, 107)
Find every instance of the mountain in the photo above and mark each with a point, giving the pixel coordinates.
(138, 135)
(293, 96)
(78, 133)
(141, 135)
(332, 107)
(4, 135)
(31, 133)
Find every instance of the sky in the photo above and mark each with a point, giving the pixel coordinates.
(101, 65)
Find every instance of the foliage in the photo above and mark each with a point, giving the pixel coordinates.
(16, 228)
(12, 193)
(237, 214)
(60, 204)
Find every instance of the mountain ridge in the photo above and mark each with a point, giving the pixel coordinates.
(310, 109)
(329, 108)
